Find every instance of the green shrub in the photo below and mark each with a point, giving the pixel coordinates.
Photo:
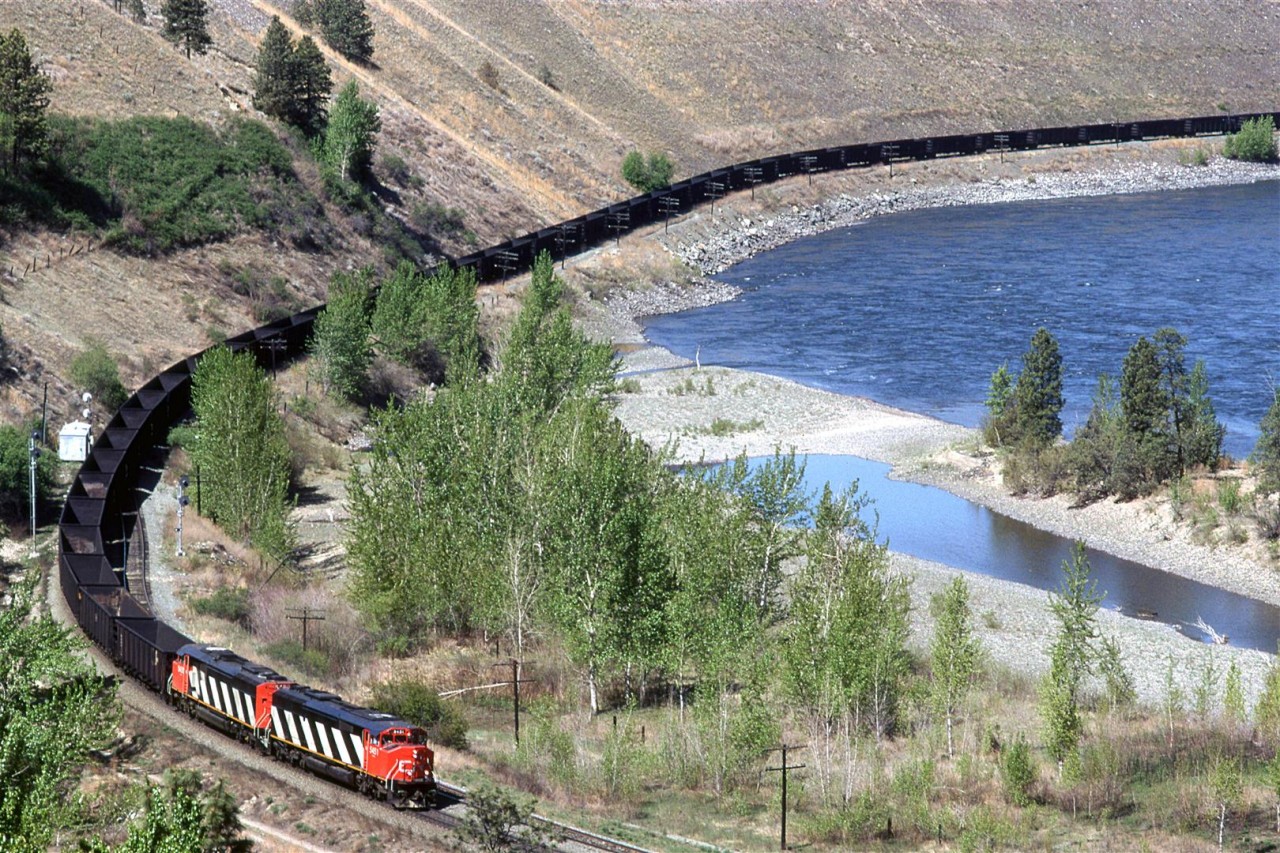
(231, 604)
(438, 220)
(647, 174)
(95, 371)
(1229, 497)
(162, 183)
(1018, 772)
(419, 704)
(1255, 142)
(309, 661)
(15, 471)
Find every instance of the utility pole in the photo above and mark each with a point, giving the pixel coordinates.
(809, 163)
(618, 221)
(668, 203)
(753, 175)
(506, 261)
(515, 683)
(274, 345)
(34, 453)
(307, 615)
(887, 152)
(183, 501)
(784, 767)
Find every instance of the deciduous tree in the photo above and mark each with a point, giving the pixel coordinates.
(54, 708)
(352, 133)
(953, 653)
(341, 336)
(1266, 453)
(647, 173)
(241, 449)
(1075, 606)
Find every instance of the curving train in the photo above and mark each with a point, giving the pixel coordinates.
(374, 752)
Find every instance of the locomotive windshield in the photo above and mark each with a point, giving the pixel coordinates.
(409, 736)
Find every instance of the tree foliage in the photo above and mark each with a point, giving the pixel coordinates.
(24, 99)
(1255, 141)
(15, 472)
(647, 173)
(1075, 607)
(95, 371)
(186, 24)
(953, 653)
(1266, 453)
(431, 322)
(352, 133)
(344, 24)
(340, 339)
(54, 708)
(291, 82)
(241, 450)
(1037, 395)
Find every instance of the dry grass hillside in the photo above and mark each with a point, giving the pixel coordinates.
(574, 84)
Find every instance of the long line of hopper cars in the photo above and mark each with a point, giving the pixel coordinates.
(374, 752)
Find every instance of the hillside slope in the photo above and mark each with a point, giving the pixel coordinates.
(710, 81)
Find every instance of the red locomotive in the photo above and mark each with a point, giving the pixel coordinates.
(373, 752)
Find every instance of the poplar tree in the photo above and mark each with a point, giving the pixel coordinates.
(954, 653)
(1038, 391)
(24, 99)
(1266, 453)
(1204, 434)
(352, 133)
(241, 449)
(1075, 606)
(341, 336)
(186, 23)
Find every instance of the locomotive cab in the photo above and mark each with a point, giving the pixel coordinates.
(399, 757)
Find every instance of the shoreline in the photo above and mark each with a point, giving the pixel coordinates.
(671, 398)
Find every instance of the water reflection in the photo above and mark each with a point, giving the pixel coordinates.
(935, 525)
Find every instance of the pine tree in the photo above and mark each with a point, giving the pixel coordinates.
(313, 85)
(24, 98)
(1145, 405)
(352, 133)
(345, 26)
(275, 80)
(186, 23)
(1170, 344)
(137, 10)
(1038, 392)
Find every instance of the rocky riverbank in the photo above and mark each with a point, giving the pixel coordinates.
(715, 252)
(710, 412)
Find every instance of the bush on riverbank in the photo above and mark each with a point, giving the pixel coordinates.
(1255, 142)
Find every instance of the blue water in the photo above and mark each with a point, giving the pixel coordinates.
(917, 309)
(935, 525)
